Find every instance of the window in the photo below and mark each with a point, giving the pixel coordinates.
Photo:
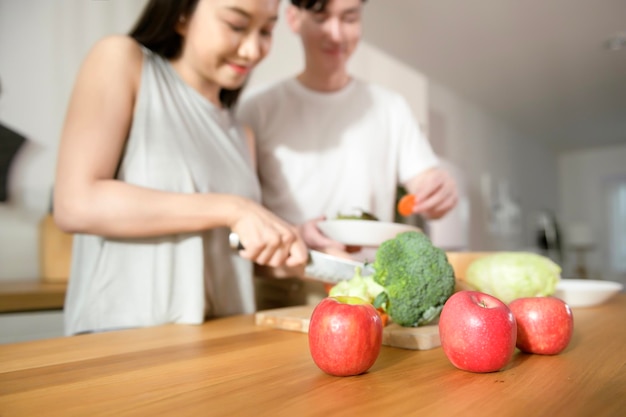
(617, 225)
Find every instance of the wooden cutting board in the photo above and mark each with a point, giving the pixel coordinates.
(297, 319)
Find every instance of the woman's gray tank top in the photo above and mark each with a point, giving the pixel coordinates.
(179, 142)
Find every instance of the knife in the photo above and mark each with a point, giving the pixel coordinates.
(321, 266)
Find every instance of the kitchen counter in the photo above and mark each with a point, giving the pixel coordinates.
(230, 367)
(31, 295)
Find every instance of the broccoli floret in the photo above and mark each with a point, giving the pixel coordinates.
(417, 277)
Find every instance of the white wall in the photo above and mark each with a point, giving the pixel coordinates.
(484, 147)
(584, 176)
(42, 44)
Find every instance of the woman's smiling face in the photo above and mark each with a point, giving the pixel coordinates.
(224, 40)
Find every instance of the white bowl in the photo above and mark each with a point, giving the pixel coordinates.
(362, 232)
(586, 292)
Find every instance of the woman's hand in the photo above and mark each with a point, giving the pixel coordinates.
(267, 239)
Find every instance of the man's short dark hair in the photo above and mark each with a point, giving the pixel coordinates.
(312, 5)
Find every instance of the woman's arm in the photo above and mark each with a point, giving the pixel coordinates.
(88, 199)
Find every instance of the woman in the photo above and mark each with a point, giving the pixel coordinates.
(153, 172)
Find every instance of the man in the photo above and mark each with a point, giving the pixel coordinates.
(327, 142)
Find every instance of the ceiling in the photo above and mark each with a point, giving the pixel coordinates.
(540, 65)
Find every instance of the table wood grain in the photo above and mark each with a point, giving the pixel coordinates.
(230, 367)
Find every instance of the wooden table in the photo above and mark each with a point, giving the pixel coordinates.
(231, 367)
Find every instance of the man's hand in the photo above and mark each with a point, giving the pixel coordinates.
(315, 239)
(435, 193)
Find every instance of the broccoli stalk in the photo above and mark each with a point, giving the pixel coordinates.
(417, 277)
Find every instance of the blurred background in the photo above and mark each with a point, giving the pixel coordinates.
(525, 102)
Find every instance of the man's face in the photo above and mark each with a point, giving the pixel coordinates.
(330, 36)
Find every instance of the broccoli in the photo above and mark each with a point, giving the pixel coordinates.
(417, 277)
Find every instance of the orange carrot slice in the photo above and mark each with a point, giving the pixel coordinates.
(405, 205)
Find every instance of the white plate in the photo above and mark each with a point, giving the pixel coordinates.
(362, 232)
(586, 292)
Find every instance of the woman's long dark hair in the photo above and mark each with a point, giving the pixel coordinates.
(312, 5)
(156, 30)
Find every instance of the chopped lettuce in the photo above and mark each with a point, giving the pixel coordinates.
(357, 286)
(511, 275)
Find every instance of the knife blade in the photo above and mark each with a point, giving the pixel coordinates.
(321, 266)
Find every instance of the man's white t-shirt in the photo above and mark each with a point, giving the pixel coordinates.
(322, 153)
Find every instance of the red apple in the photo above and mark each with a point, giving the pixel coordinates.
(477, 331)
(544, 324)
(345, 335)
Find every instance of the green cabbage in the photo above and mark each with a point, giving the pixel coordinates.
(511, 275)
(357, 286)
